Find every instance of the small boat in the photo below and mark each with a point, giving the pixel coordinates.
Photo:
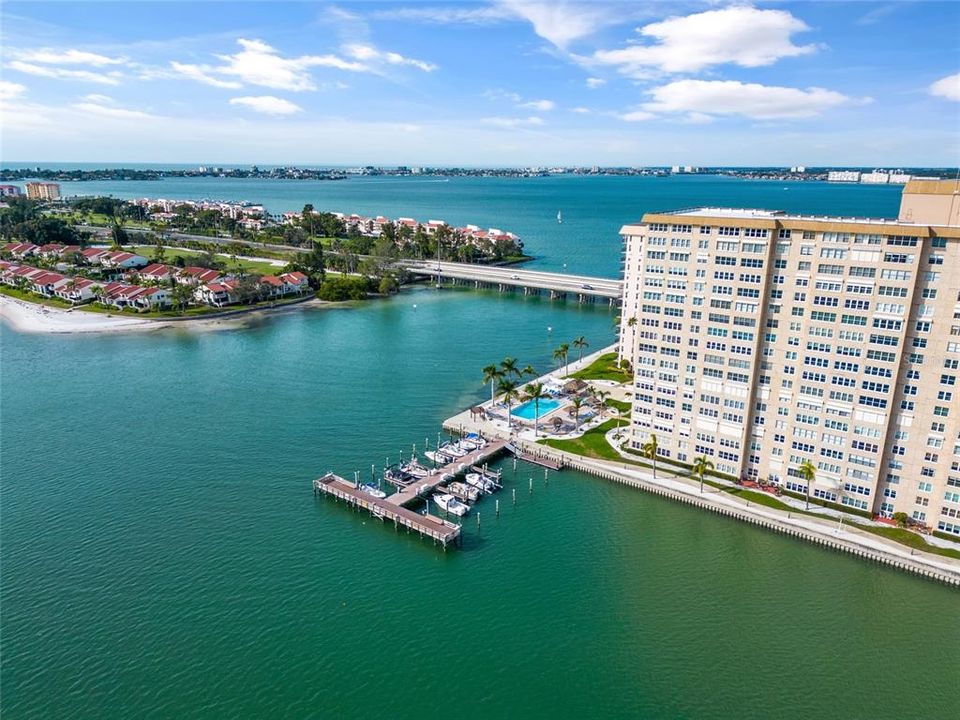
(374, 491)
(440, 458)
(462, 490)
(482, 483)
(416, 469)
(453, 450)
(559, 217)
(472, 444)
(450, 504)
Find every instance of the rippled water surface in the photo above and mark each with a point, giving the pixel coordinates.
(162, 554)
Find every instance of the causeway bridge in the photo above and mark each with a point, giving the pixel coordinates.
(584, 287)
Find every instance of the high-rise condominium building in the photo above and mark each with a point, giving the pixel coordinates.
(43, 191)
(762, 340)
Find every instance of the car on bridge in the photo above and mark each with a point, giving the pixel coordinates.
(587, 287)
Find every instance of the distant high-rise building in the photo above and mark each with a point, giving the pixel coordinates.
(9, 191)
(763, 340)
(843, 176)
(877, 177)
(43, 191)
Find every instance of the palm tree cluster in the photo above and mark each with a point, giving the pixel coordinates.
(505, 380)
(562, 354)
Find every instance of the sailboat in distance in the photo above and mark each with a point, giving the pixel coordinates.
(560, 217)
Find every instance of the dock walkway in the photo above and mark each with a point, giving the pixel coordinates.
(422, 487)
(430, 526)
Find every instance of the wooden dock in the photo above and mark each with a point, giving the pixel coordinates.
(423, 486)
(437, 529)
(537, 458)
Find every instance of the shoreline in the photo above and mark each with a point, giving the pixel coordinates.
(824, 531)
(36, 319)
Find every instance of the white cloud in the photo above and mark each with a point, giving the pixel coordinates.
(10, 90)
(539, 105)
(195, 72)
(637, 116)
(512, 122)
(113, 112)
(562, 22)
(368, 53)
(594, 82)
(267, 104)
(730, 97)
(49, 56)
(580, 110)
(744, 36)
(444, 15)
(110, 78)
(258, 63)
(948, 87)
(100, 99)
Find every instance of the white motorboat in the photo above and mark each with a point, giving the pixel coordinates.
(472, 444)
(480, 482)
(415, 469)
(374, 491)
(440, 458)
(454, 450)
(450, 504)
(464, 490)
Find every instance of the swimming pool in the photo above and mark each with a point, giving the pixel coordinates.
(527, 410)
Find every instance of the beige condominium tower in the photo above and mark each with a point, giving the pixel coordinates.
(762, 340)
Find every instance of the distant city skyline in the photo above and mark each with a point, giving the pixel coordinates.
(508, 83)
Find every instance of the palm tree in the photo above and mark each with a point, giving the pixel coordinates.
(492, 374)
(528, 370)
(534, 391)
(631, 322)
(649, 451)
(565, 353)
(601, 396)
(575, 405)
(509, 366)
(508, 389)
(558, 356)
(700, 466)
(580, 344)
(808, 471)
(620, 415)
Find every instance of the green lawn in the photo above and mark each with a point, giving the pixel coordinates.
(603, 368)
(257, 266)
(618, 405)
(911, 539)
(591, 444)
(30, 297)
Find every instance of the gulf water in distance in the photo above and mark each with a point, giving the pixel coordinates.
(163, 555)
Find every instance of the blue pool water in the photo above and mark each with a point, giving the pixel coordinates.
(527, 410)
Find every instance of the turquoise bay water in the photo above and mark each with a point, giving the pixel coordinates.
(162, 554)
(594, 208)
(528, 409)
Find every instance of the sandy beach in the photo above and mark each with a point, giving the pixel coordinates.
(30, 317)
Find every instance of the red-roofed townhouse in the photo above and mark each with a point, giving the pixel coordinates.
(153, 298)
(93, 256)
(78, 290)
(156, 271)
(46, 283)
(197, 275)
(295, 282)
(123, 260)
(217, 294)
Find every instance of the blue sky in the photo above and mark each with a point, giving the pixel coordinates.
(510, 82)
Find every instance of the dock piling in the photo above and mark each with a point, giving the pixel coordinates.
(498, 507)
(514, 496)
